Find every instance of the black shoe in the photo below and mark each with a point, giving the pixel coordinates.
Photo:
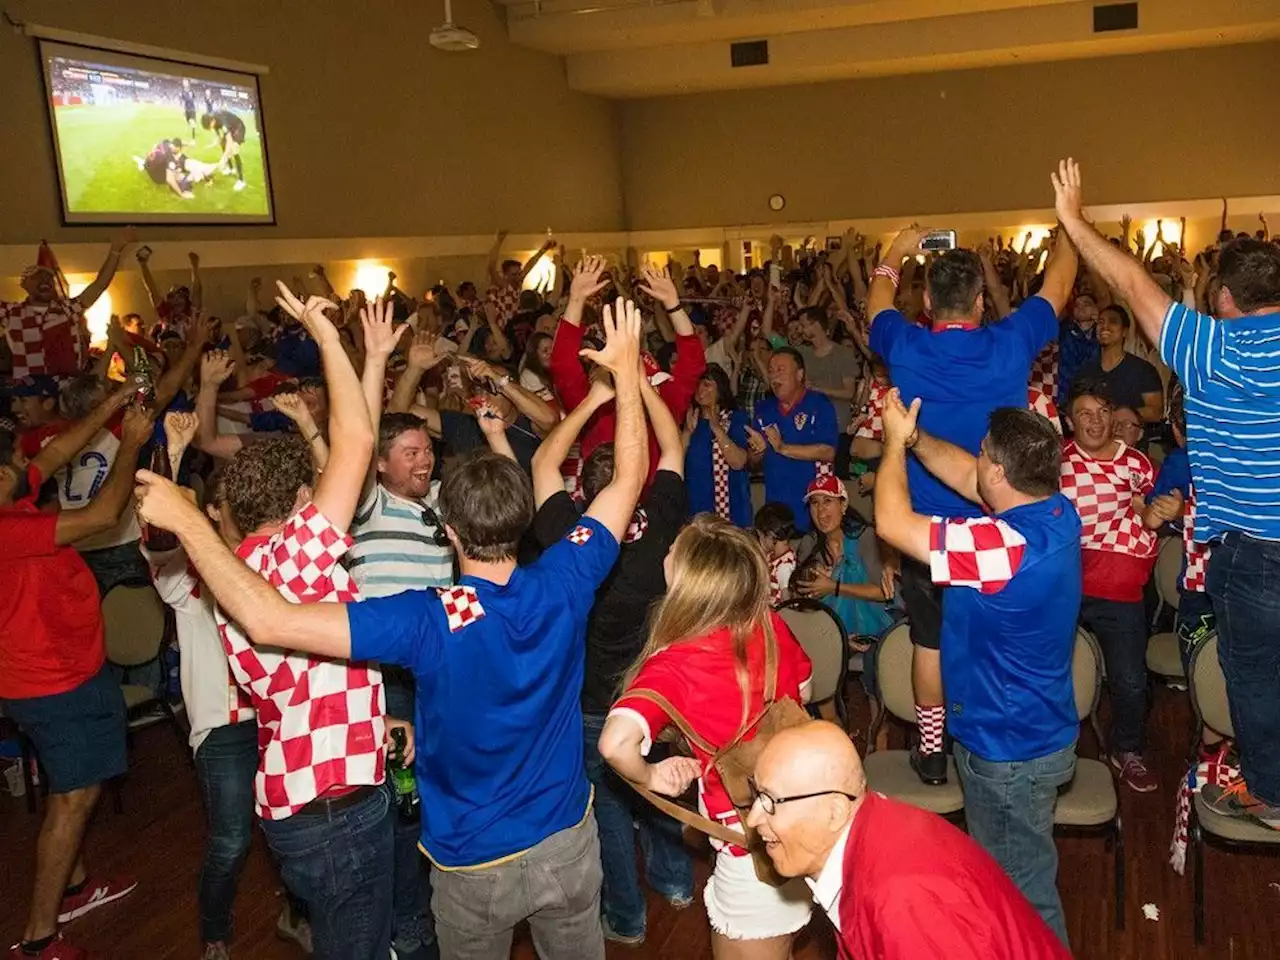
(931, 768)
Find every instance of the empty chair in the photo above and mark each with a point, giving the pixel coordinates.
(1163, 658)
(823, 638)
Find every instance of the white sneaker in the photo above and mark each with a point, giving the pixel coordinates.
(239, 186)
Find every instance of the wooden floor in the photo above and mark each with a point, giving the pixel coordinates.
(158, 839)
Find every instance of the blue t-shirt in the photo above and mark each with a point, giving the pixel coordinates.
(811, 419)
(698, 478)
(962, 375)
(499, 673)
(297, 355)
(1231, 381)
(1007, 640)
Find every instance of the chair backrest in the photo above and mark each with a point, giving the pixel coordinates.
(1208, 686)
(822, 636)
(869, 554)
(861, 503)
(1086, 673)
(757, 496)
(133, 624)
(1168, 566)
(893, 673)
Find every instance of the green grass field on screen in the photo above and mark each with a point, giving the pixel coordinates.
(98, 144)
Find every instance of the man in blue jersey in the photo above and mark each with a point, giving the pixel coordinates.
(498, 659)
(1008, 628)
(1227, 366)
(794, 436)
(963, 370)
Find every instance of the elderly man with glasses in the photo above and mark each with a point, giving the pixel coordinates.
(896, 881)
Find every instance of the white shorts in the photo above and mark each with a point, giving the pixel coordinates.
(740, 906)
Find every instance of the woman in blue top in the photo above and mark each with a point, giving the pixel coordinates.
(715, 443)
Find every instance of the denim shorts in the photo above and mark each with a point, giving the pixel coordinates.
(79, 735)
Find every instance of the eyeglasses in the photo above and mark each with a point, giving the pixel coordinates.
(769, 804)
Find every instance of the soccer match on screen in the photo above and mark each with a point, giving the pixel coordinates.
(143, 142)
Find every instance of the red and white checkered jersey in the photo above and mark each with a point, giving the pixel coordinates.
(1043, 404)
(872, 427)
(507, 301)
(1044, 371)
(1196, 554)
(213, 699)
(781, 568)
(45, 338)
(982, 553)
(1103, 492)
(321, 722)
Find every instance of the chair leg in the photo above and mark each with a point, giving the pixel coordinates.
(1117, 828)
(1197, 848)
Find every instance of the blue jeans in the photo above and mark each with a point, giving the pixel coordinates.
(225, 766)
(1121, 629)
(1244, 585)
(411, 926)
(1009, 810)
(339, 860)
(617, 808)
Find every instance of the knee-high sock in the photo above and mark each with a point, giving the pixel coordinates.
(931, 720)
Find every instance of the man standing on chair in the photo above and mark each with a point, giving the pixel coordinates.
(963, 370)
(54, 682)
(1008, 626)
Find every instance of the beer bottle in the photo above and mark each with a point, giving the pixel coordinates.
(403, 781)
(154, 538)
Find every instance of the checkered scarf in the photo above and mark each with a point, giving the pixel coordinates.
(639, 524)
(1213, 769)
(720, 473)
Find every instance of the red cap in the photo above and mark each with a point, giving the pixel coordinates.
(828, 485)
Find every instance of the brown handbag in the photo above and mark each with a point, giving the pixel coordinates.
(735, 762)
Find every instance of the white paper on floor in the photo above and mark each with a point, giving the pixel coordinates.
(1151, 911)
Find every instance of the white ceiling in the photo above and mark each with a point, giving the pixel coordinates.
(645, 48)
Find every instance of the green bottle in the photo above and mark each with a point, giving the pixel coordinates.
(403, 782)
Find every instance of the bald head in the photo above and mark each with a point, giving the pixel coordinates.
(813, 756)
(815, 769)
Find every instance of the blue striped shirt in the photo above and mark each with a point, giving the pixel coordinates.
(395, 548)
(1230, 370)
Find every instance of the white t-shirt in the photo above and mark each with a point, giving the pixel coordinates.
(212, 697)
(81, 479)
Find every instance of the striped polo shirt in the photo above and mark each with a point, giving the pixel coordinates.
(1230, 370)
(395, 548)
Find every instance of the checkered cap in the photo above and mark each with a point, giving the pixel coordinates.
(1103, 492)
(982, 553)
(321, 722)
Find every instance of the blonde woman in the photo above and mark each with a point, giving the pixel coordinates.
(706, 656)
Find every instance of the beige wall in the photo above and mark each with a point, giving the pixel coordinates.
(1170, 126)
(371, 131)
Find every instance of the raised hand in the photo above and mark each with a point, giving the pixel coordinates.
(659, 285)
(162, 503)
(123, 240)
(490, 422)
(215, 367)
(180, 429)
(194, 258)
(587, 278)
(292, 406)
(422, 352)
(309, 314)
(899, 420)
(905, 244)
(143, 254)
(622, 326)
(673, 776)
(601, 391)
(1068, 197)
(136, 425)
(380, 332)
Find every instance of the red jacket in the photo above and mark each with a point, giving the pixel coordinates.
(916, 887)
(572, 385)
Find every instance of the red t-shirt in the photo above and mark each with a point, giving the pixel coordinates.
(265, 385)
(32, 441)
(699, 678)
(915, 886)
(50, 614)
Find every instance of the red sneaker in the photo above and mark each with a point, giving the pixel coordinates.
(1134, 772)
(94, 894)
(59, 949)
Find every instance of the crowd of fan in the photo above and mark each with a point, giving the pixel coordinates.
(518, 528)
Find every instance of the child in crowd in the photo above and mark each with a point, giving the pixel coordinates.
(775, 526)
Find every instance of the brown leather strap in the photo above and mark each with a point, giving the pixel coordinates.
(695, 820)
(663, 704)
(770, 689)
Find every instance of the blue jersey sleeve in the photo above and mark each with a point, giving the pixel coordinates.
(886, 329)
(1035, 324)
(403, 629)
(1175, 474)
(580, 561)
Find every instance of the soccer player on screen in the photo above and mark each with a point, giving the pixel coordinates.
(168, 165)
(230, 130)
(189, 106)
